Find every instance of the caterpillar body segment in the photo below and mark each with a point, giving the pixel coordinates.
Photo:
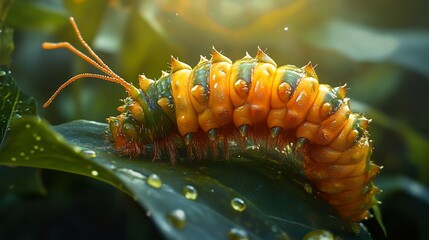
(219, 100)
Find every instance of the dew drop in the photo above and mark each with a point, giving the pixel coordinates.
(90, 153)
(308, 188)
(27, 126)
(177, 218)
(154, 181)
(38, 138)
(131, 173)
(36, 147)
(190, 192)
(94, 173)
(22, 154)
(41, 149)
(319, 234)
(237, 234)
(238, 204)
(13, 159)
(32, 151)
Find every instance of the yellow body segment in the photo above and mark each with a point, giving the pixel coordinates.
(332, 126)
(241, 115)
(199, 96)
(187, 120)
(341, 142)
(301, 102)
(276, 118)
(281, 91)
(259, 97)
(314, 115)
(307, 130)
(239, 88)
(219, 101)
(207, 121)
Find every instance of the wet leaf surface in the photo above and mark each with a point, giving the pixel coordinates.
(13, 102)
(249, 194)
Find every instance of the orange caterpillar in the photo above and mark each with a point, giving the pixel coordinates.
(219, 100)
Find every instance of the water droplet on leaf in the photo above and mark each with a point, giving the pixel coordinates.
(319, 235)
(177, 218)
(154, 181)
(90, 153)
(190, 192)
(308, 188)
(238, 204)
(237, 234)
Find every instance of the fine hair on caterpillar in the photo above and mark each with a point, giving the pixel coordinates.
(219, 101)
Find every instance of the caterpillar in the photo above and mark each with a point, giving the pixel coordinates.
(219, 100)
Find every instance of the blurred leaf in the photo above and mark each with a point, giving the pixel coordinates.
(275, 205)
(21, 181)
(6, 45)
(406, 198)
(111, 32)
(40, 15)
(235, 27)
(376, 83)
(13, 103)
(4, 9)
(391, 184)
(364, 44)
(143, 50)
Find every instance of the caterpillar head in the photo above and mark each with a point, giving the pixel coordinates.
(128, 129)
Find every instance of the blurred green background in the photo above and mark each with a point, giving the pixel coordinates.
(379, 48)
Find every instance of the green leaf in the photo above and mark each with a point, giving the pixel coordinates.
(364, 44)
(245, 196)
(6, 45)
(38, 15)
(13, 103)
(4, 8)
